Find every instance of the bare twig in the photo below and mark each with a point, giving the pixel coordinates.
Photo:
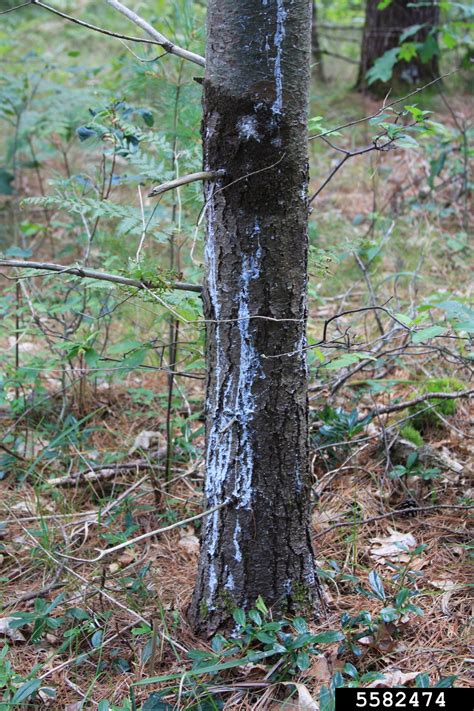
(398, 512)
(382, 108)
(340, 56)
(423, 398)
(157, 36)
(87, 25)
(41, 592)
(104, 593)
(98, 473)
(107, 551)
(17, 7)
(93, 274)
(375, 146)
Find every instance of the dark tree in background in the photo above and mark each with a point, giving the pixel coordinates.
(316, 46)
(255, 129)
(382, 32)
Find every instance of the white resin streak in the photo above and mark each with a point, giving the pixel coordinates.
(234, 413)
(281, 16)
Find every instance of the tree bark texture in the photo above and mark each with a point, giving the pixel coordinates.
(382, 32)
(255, 129)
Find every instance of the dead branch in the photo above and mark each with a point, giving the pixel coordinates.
(398, 512)
(93, 274)
(157, 36)
(184, 180)
(99, 473)
(423, 398)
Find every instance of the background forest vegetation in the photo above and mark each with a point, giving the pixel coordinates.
(102, 383)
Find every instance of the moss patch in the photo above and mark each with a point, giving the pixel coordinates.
(425, 419)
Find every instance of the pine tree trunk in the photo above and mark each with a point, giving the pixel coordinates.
(382, 32)
(255, 128)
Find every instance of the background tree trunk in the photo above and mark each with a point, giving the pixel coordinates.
(382, 32)
(316, 47)
(255, 128)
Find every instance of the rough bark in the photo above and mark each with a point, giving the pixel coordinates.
(255, 128)
(382, 32)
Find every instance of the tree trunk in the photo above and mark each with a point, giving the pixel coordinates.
(255, 128)
(382, 32)
(316, 47)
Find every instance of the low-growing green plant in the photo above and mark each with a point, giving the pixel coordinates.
(16, 690)
(284, 645)
(413, 467)
(338, 426)
(41, 619)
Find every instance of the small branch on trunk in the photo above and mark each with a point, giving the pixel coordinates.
(185, 179)
(157, 36)
(93, 274)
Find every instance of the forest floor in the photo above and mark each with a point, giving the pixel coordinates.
(390, 530)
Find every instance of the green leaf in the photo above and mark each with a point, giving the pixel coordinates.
(26, 690)
(303, 661)
(96, 639)
(6, 180)
(446, 683)
(154, 703)
(406, 141)
(376, 584)
(198, 655)
(402, 597)
(135, 358)
(326, 699)
(408, 50)
(239, 617)
(406, 320)
(388, 614)
(409, 32)
(422, 681)
(255, 617)
(429, 49)
(260, 605)
(344, 361)
(91, 357)
(427, 333)
(449, 40)
(300, 625)
(382, 68)
(328, 637)
(351, 670)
